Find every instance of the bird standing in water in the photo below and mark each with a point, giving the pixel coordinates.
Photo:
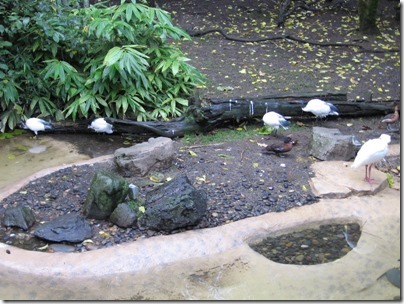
(371, 152)
(320, 108)
(280, 148)
(100, 125)
(392, 118)
(35, 125)
(275, 120)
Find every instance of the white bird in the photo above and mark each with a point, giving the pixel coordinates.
(35, 125)
(100, 125)
(320, 108)
(275, 120)
(371, 152)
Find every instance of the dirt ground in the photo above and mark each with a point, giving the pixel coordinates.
(241, 181)
(245, 69)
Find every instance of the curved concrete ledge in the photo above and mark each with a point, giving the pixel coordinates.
(217, 263)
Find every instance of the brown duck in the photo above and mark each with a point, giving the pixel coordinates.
(280, 148)
(391, 118)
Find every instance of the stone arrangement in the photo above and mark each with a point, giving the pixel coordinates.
(173, 205)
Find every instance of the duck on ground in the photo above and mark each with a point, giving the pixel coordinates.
(392, 118)
(372, 151)
(320, 108)
(280, 148)
(275, 120)
(100, 125)
(36, 125)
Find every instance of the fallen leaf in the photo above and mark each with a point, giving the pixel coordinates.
(224, 155)
(104, 234)
(255, 165)
(192, 153)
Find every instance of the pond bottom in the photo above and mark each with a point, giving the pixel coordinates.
(312, 246)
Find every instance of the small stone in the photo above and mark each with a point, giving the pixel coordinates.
(299, 257)
(304, 246)
(214, 214)
(345, 250)
(315, 242)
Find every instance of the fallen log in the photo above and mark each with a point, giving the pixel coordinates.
(208, 114)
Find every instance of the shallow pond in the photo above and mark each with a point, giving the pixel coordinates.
(22, 156)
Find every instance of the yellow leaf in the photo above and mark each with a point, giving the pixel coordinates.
(104, 234)
(304, 188)
(192, 153)
(255, 165)
(142, 209)
(243, 71)
(380, 89)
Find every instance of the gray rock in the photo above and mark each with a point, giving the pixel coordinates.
(173, 205)
(156, 153)
(331, 144)
(66, 228)
(123, 216)
(394, 277)
(20, 216)
(107, 190)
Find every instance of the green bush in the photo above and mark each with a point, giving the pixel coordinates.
(70, 62)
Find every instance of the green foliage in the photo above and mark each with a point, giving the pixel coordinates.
(66, 61)
(138, 207)
(390, 179)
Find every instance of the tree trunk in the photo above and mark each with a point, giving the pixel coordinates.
(367, 16)
(212, 113)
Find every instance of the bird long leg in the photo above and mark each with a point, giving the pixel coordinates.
(366, 173)
(367, 178)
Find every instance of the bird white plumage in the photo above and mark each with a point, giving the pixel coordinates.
(371, 152)
(320, 108)
(101, 126)
(36, 124)
(275, 120)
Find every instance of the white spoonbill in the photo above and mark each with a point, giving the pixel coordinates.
(372, 151)
(35, 125)
(100, 125)
(275, 120)
(320, 108)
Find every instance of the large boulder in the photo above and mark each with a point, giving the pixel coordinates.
(156, 153)
(174, 205)
(20, 216)
(331, 144)
(107, 190)
(66, 228)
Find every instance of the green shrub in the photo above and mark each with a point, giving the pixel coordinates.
(70, 62)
